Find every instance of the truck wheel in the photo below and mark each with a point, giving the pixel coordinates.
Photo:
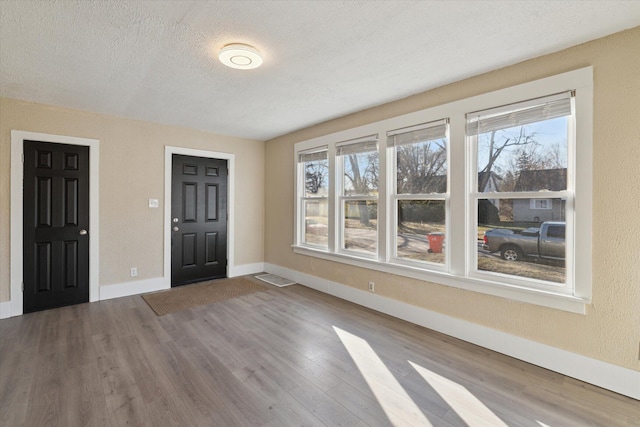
(511, 253)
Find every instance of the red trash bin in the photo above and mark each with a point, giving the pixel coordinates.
(435, 242)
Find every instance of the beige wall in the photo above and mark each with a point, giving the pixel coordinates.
(131, 172)
(610, 330)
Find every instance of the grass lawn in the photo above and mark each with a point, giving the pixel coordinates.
(413, 245)
(532, 270)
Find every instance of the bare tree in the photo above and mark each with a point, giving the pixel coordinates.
(555, 157)
(362, 174)
(422, 168)
(532, 157)
(316, 174)
(498, 142)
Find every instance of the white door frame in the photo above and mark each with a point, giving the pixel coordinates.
(168, 172)
(17, 176)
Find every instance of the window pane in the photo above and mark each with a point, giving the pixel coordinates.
(532, 157)
(316, 178)
(361, 226)
(422, 167)
(421, 228)
(361, 174)
(316, 222)
(517, 240)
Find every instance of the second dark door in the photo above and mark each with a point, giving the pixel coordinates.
(198, 219)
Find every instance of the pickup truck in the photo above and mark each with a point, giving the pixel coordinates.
(545, 242)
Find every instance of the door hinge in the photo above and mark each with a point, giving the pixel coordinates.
(22, 286)
(22, 157)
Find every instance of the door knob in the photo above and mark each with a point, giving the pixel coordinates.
(82, 232)
(175, 220)
(175, 229)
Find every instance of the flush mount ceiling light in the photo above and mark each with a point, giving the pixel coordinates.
(240, 56)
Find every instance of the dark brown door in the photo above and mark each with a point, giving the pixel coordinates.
(56, 224)
(199, 219)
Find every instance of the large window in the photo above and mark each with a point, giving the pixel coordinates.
(490, 194)
(420, 192)
(521, 156)
(313, 170)
(358, 162)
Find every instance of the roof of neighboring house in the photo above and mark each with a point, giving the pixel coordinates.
(438, 183)
(545, 179)
(492, 176)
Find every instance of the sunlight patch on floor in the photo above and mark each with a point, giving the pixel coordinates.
(468, 407)
(394, 400)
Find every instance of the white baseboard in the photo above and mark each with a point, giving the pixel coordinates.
(244, 269)
(143, 286)
(602, 374)
(5, 309)
(160, 283)
(133, 288)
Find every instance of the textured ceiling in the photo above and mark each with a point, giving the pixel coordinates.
(156, 60)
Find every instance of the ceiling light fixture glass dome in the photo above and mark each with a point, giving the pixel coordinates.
(240, 56)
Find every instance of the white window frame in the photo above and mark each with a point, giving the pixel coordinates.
(342, 199)
(395, 198)
(301, 174)
(461, 221)
(474, 196)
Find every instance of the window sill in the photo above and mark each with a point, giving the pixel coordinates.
(543, 298)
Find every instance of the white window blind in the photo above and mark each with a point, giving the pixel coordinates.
(313, 156)
(522, 113)
(360, 145)
(418, 133)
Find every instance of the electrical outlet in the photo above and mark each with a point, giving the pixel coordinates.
(371, 287)
(134, 271)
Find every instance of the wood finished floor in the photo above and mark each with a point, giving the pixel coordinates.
(273, 358)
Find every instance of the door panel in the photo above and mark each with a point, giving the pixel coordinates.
(211, 202)
(70, 201)
(212, 243)
(199, 219)
(43, 266)
(56, 208)
(71, 264)
(190, 202)
(44, 202)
